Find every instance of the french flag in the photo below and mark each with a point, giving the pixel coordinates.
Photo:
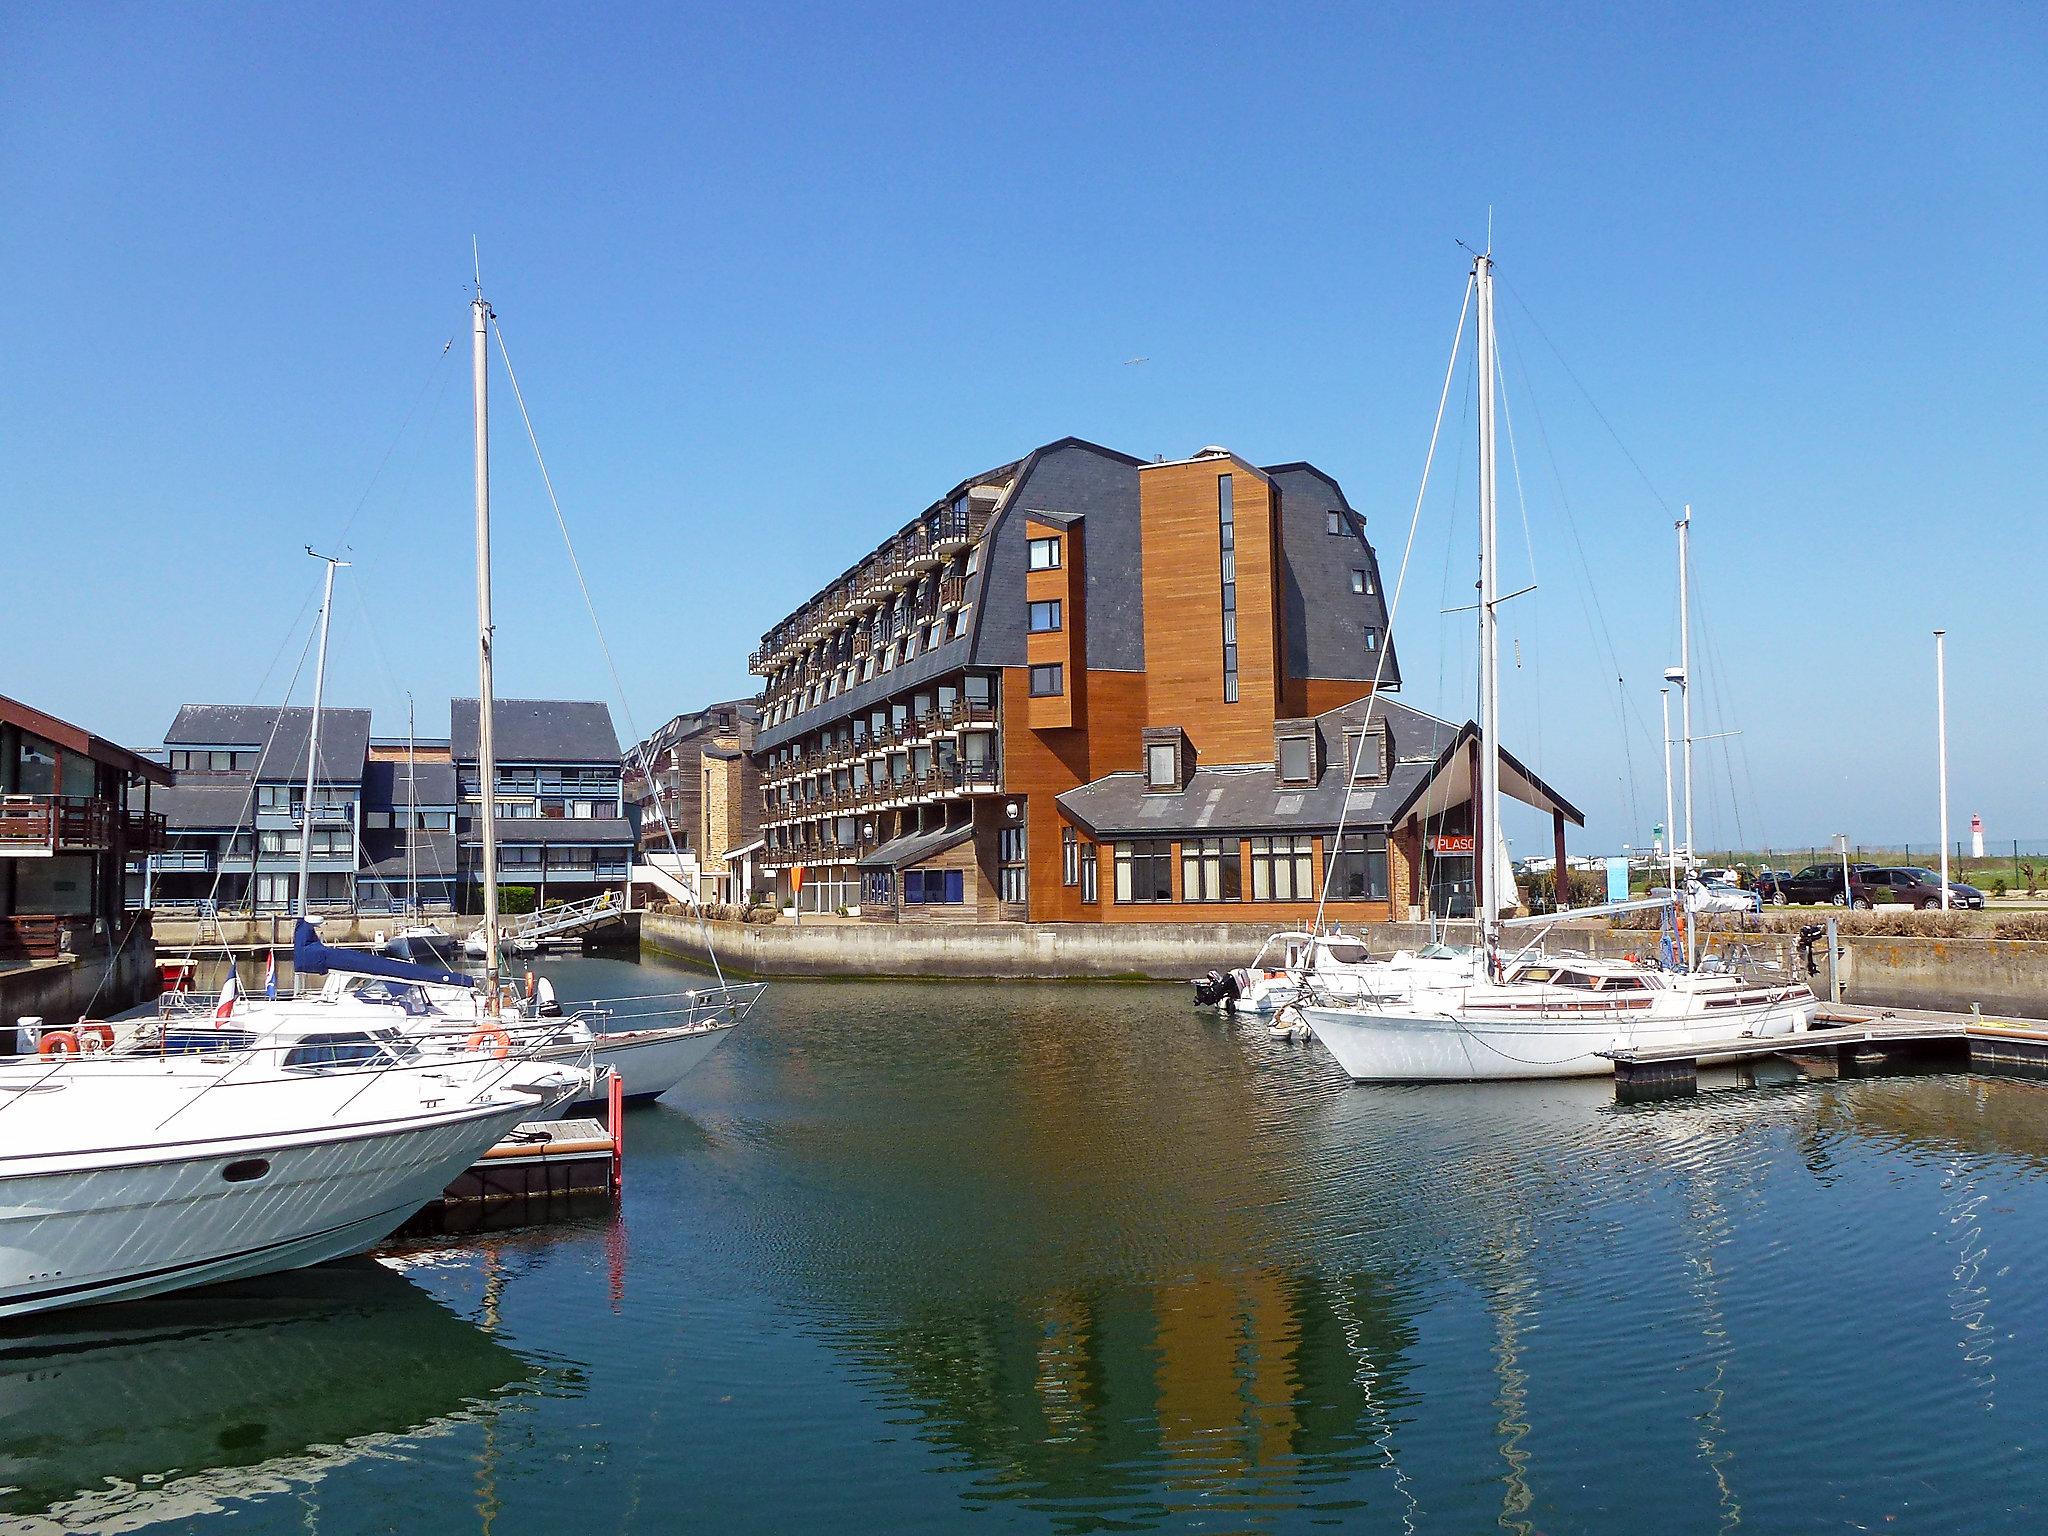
(230, 990)
(270, 976)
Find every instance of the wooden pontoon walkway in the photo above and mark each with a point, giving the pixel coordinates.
(1856, 1037)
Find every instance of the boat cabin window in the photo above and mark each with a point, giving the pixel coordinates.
(336, 1050)
(1346, 954)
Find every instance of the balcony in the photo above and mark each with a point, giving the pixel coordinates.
(952, 591)
(36, 826)
(757, 663)
(182, 861)
(955, 529)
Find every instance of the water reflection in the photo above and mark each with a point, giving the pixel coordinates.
(121, 1417)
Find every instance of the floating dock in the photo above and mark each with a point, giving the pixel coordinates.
(1859, 1040)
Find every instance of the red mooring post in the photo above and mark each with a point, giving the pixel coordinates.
(616, 1104)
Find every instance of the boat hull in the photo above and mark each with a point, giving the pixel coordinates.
(649, 1062)
(1414, 1045)
(111, 1233)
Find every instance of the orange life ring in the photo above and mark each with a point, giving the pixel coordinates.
(58, 1042)
(492, 1036)
(90, 1030)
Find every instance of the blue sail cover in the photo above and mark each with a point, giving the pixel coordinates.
(312, 958)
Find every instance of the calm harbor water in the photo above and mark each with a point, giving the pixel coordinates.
(1076, 1258)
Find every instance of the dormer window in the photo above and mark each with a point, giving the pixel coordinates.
(1368, 765)
(1297, 759)
(1045, 554)
(1169, 759)
(1336, 522)
(1162, 766)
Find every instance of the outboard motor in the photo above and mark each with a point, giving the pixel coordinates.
(1810, 936)
(1216, 988)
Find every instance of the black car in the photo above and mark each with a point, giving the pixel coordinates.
(1909, 885)
(1769, 885)
(1818, 885)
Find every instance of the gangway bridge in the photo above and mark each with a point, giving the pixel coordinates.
(569, 920)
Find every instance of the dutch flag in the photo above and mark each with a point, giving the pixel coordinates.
(270, 976)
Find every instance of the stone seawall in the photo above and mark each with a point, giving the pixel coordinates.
(1999, 975)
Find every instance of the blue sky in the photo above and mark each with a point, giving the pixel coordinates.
(773, 280)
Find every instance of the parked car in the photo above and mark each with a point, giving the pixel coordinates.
(1913, 887)
(1769, 885)
(1821, 884)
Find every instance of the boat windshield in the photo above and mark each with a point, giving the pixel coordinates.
(408, 995)
(1443, 951)
(1346, 953)
(350, 1048)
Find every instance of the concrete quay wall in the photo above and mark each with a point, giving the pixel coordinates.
(2001, 976)
(63, 991)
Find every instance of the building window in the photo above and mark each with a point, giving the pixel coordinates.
(1358, 581)
(876, 890)
(1226, 529)
(1370, 764)
(1282, 869)
(1090, 895)
(934, 887)
(1070, 857)
(1144, 871)
(1045, 617)
(1335, 522)
(1209, 869)
(1359, 871)
(1372, 638)
(1048, 681)
(1010, 850)
(1162, 765)
(1297, 760)
(1045, 554)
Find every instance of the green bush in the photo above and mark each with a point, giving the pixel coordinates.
(516, 900)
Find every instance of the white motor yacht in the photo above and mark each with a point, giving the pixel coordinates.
(129, 1175)
(651, 1050)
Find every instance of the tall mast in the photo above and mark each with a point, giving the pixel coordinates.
(313, 732)
(486, 748)
(1685, 701)
(1485, 864)
(1941, 739)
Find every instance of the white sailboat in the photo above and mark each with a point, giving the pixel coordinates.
(1498, 1016)
(650, 1050)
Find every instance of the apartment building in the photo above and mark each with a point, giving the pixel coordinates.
(562, 825)
(1087, 687)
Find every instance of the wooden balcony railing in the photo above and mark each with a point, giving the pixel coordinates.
(45, 824)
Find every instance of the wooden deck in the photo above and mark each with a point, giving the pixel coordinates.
(1858, 1038)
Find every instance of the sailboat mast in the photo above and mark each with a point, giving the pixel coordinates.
(1485, 862)
(1685, 700)
(1685, 664)
(313, 732)
(486, 747)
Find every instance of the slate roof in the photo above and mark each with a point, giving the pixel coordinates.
(344, 737)
(218, 802)
(539, 731)
(433, 858)
(536, 829)
(384, 785)
(902, 852)
(1250, 798)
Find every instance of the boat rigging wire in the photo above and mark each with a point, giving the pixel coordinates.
(590, 607)
(1394, 603)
